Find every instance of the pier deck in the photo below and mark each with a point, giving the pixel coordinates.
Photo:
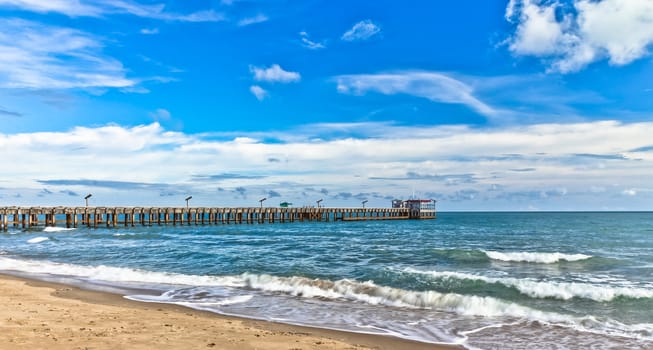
(71, 217)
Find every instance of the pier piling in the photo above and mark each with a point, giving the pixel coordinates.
(94, 217)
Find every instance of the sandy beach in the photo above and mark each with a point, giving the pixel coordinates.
(40, 315)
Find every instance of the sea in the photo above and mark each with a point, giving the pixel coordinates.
(481, 280)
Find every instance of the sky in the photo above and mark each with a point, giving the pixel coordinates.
(481, 105)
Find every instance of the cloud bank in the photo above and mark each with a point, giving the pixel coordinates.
(546, 165)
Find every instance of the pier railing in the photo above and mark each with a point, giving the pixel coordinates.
(71, 217)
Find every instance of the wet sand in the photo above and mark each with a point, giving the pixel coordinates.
(44, 315)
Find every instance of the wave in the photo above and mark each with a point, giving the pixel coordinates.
(344, 290)
(534, 257)
(461, 255)
(548, 289)
(188, 298)
(113, 274)
(57, 229)
(37, 240)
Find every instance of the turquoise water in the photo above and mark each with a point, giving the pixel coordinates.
(539, 280)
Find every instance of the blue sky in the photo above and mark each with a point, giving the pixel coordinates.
(482, 105)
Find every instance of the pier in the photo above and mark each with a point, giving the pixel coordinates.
(94, 217)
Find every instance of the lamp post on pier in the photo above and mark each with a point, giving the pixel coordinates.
(363, 202)
(188, 199)
(87, 197)
(318, 202)
(261, 201)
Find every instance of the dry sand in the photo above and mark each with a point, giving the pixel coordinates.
(43, 315)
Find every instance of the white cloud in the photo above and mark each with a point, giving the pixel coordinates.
(619, 30)
(455, 161)
(362, 30)
(630, 192)
(149, 31)
(97, 8)
(259, 92)
(434, 86)
(37, 56)
(260, 18)
(309, 44)
(71, 8)
(274, 74)
(161, 114)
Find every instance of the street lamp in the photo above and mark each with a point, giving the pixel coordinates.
(87, 197)
(365, 201)
(187, 199)
(318, 202)
(261, 201)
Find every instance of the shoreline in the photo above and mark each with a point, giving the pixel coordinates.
(41, 314)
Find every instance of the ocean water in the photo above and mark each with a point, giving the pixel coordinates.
(481, 280)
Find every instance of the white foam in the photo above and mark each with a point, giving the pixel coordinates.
(469, 305)
(114, 274)
(535, 257)
(549, 289)
(37, 240)
(57, 229)
(364, 292)
(238, 299)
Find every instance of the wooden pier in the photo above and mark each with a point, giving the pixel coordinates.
(94, 217)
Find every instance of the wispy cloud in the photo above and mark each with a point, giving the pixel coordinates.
(362, 30)
(98, 8)
(259, 92)
(70, 193)
(446, 179)
(260, 18)
(122, 185)
(309, 44)
(161, 114)
(38, 56)
(69, 8)
(569, 37)
(523, 170)
(149, 31)
(9, 113)
(227, 176)
(601, 156)
(434, 86)
(274, 74)
(643, 149)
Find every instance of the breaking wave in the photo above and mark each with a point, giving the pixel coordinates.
(535, 257)
(548, 289)
(56, 229)
(37, 240)
(341, 290)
